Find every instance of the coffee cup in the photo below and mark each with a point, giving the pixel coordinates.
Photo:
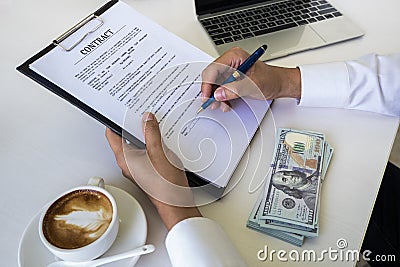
(80, 224)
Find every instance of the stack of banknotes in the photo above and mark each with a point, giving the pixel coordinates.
(288, 206)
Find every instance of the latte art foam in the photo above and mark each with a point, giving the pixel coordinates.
(77, 219)
(94, 223)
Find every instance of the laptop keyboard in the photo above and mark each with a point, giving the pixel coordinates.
(257, 21)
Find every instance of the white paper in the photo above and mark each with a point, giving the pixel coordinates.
(131, 65)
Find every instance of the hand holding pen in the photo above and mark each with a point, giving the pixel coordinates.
(211, 72)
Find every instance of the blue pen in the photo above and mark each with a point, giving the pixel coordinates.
(246, 65)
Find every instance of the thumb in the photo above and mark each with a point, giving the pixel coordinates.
(229, 91)
(152, 135)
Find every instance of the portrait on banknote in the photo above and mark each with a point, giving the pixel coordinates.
(298, 185)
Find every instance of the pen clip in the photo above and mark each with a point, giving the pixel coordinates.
(75, 28)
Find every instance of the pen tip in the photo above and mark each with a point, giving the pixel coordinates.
(264, 47)
(199, 110)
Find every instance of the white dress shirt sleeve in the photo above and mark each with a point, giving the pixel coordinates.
(201, 242)
(371, 83)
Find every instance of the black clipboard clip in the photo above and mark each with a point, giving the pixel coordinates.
(79, 25)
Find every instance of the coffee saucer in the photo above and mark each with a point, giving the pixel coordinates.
(132, 233)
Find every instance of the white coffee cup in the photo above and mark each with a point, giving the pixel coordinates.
(80, 224)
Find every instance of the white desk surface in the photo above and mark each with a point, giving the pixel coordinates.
(48, 146)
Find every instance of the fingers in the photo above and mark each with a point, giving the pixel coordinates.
(162, 159)
(233, 57)
(152, 135)
(224, 106)
(225, 94)
(218, 71)
(115, 141)
(233, 90)
(210, 78)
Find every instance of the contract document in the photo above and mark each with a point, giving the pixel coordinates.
(121, 64)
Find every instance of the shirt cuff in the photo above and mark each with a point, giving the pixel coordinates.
(324, 85)
(199, 241)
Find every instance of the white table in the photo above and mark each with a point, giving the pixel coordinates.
(47, 145)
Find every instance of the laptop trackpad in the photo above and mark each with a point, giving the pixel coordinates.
(337, 29)
(290, 41)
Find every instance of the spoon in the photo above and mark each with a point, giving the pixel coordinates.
(137, 251)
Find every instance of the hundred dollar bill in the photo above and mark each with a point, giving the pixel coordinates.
(292, 192)
(254, 223)
(328, 153)
(289, 228)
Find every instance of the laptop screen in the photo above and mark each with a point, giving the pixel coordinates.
(211, 6)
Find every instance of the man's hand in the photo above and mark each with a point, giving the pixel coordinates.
(262, 81)
(165, 183)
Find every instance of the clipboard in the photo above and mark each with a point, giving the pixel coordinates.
(193, 179)
(25, 69)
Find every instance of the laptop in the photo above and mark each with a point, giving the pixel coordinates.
(287, 27)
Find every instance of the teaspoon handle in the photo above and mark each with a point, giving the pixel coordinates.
(132, 253)
(137, 251)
